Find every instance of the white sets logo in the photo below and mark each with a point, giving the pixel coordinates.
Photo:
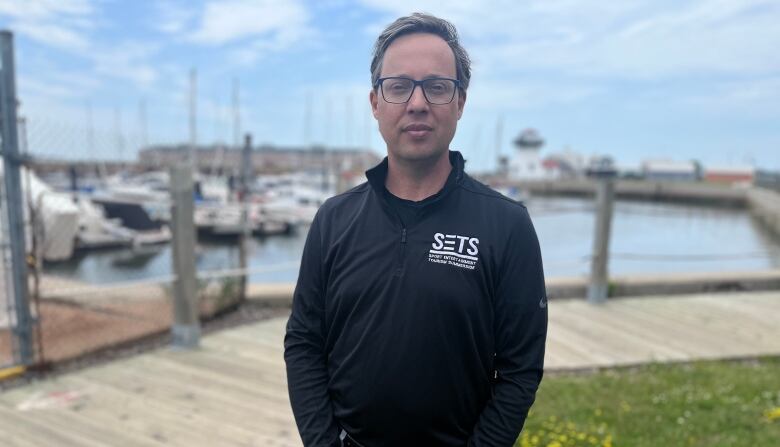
(449, 242)
(451, 249)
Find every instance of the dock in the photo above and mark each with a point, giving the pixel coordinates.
(232, 391)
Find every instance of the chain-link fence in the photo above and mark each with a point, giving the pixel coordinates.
(101, 270)
(98, 233)
(100, 236)
(7, 310)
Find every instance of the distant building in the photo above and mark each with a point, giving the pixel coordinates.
(629, 171)
(564, 164)
(601, 166)
(768, 179)
(526, 163)
(669, 170)
(265, 158)
(730, 174)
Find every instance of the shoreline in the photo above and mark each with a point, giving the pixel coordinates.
(763, 204)
(280, 294)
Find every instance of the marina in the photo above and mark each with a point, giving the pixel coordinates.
(164, 163)
(648, 238)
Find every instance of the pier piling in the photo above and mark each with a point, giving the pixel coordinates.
(186, 326)
(598, 288)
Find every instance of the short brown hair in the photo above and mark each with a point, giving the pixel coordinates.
(422, 23)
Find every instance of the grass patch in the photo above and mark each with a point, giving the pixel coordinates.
(716, 403)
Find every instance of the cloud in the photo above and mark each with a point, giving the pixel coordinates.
(638, 39)
(128, 61)
(248, 29)
(53, 35)
(229, 21)
(61, 24)
(255, 50)
(44, 9)
(523, 94)
(752, 97)
(173, 17)
(30, 87)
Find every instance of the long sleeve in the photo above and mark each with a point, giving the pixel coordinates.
(520, 328)
(304, 350)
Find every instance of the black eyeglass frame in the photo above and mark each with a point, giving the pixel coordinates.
(416, 83)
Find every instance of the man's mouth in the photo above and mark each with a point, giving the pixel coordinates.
(417, 130)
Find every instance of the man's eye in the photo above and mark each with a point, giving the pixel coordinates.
(437, 87)
(398, 86)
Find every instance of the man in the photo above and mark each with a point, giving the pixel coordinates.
(419, 317)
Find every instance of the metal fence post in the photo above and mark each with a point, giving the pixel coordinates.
(598, 288)
(13, 189)
(186, 325)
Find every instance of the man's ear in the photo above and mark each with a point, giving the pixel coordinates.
(373, 99)
(461, 102)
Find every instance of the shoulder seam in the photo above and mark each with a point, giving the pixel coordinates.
(494, 196)
(356, 190)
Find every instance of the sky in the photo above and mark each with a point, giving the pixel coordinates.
(634, 80)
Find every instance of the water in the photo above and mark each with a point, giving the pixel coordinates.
(652, 238)
(646, 238)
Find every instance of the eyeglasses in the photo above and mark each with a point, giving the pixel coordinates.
(438, 91)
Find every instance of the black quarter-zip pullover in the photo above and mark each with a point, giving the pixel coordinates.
(425, 332)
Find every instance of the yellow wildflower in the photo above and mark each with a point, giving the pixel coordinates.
(773, 414)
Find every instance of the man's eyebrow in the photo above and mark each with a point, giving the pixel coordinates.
(430, 76)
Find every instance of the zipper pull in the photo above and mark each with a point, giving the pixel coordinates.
(403, 236)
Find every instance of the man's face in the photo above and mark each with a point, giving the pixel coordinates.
(416, 130)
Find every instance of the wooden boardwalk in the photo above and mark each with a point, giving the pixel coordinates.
(232, 391)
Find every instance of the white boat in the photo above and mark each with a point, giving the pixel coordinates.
(140, 203)
(96, 231)
(296, 197)
(134, 215)
(56, 217)
(226, 220)
(149, 190)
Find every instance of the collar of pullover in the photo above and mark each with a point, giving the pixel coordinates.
(376, 176)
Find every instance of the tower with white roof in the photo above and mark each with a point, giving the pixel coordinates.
(526, 163)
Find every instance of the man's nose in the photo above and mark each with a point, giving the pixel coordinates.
(417, 101)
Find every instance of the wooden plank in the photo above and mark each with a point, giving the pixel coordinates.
(728, 336)
(201, 418)
(208, 389)
(598, 323)
(233, 391)
(595, 353)
(692, 340)
(739, 328)
(45, 432)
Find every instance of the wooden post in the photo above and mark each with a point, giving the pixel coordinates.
(246, 232)
(186, 325)
(598, 289)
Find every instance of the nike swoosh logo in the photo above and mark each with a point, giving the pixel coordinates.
(543, 302)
